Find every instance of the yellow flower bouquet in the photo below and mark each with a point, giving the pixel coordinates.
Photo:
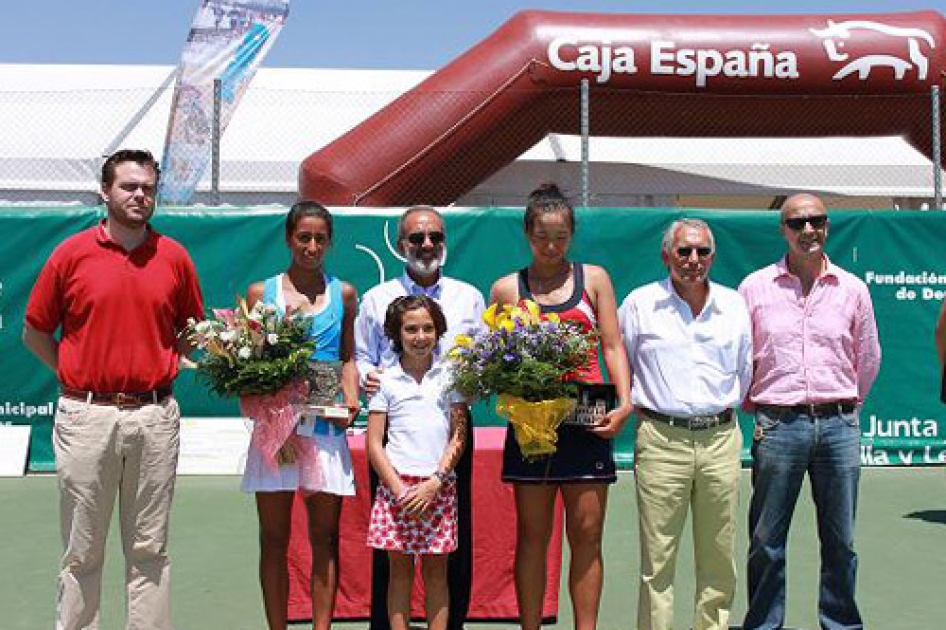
(528, 360)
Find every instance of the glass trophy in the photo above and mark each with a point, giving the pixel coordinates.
(322, 402)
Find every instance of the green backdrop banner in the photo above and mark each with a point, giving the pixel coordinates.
(895, 253)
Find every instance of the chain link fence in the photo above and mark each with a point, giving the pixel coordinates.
(54, 142)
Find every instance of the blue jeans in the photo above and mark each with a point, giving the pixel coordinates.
(828, 449)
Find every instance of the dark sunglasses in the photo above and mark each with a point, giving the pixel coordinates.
(798, 223)
(418, 238)
(686, 252)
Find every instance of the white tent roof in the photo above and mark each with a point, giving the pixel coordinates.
(59, 120)
(656, 170)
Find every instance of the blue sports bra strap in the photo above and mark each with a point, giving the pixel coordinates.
(271, 290)
(336, 297)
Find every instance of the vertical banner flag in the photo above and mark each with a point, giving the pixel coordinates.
(228, 41)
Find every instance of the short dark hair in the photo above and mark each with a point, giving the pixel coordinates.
(139, 156)
(547, 198)
(394, 317)
(303, 209)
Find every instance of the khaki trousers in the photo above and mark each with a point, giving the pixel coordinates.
(678, 470)
(102, 451)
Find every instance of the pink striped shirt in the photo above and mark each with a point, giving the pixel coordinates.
(819, 348)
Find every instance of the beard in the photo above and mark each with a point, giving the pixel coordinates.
(423, 267)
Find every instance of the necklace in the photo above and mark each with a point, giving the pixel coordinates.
(551, 279)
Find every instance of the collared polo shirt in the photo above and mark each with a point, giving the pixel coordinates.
(822, 347)
(681, 364)
(418, 417)
(119, 312)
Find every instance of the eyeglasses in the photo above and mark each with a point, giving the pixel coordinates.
(686, 252)
(817, 221)
(418, 238)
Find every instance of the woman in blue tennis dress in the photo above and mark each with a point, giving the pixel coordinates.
(332, 305)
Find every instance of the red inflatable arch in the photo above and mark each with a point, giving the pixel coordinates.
(501, 97)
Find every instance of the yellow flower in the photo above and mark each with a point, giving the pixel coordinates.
(554, 318)
(499, 321)
(463, 341)
(507, 324)
(534, 311)
(489, 316)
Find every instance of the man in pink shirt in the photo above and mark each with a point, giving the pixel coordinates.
(816, 354)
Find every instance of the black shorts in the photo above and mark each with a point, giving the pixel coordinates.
(580, 457)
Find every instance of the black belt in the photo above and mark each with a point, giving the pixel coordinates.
(815, 410)
(122, 400)
(693, 423)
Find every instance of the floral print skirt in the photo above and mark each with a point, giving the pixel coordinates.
(392, 529)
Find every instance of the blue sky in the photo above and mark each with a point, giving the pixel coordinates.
(406, 35)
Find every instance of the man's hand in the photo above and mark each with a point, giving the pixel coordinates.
(373, 381)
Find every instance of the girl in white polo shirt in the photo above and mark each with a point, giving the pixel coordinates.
(415, 508)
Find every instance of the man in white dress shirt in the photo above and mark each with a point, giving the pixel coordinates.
(690, 347)
(421, 239)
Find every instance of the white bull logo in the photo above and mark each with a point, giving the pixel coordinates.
(835, 34)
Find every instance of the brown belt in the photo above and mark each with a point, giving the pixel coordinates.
(693, 423)
(815, 410)
(122, 400)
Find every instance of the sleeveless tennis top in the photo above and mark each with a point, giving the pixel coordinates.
(577, 308)
(326, 327)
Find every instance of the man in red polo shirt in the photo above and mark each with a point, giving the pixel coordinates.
(119, 294)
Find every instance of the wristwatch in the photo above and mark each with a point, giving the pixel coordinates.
(441, 476)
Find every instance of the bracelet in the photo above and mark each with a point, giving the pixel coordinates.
(442, 476)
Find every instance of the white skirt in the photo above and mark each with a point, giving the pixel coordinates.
(334, 465)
